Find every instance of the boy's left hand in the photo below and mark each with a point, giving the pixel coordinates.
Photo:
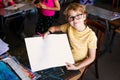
(71, 67)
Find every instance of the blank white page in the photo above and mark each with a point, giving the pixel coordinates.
(53, 51)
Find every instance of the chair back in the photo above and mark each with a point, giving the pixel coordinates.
(99, 29)
(100, 32)
(116, 5)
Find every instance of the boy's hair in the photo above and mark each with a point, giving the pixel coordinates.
(75, 7)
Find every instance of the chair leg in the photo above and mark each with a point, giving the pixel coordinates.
(96, 68)
(111, 40)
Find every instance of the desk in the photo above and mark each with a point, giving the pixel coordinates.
(11, 14)
(115, 23)
(104, 14)
(58, 73)
(7, 13)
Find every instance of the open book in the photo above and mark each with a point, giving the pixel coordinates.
(53, 51)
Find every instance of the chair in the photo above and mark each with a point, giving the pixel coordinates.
(100, 32)
(114, 27)
(116, 5)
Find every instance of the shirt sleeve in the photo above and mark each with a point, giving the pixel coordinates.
(93, 41)
(64, 27)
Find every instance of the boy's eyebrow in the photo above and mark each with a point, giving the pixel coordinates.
(76, 15)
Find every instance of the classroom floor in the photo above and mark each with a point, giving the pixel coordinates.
(109, 63)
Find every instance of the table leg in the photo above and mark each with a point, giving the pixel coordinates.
(2, 34)
(108, 32)
(110, 36)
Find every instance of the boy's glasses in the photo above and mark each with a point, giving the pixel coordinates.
(72, 18)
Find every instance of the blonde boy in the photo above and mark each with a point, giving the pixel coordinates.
(82, 39)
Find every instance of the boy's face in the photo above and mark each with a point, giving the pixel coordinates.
(76, 18)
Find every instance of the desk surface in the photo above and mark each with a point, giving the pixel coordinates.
(102, 13)
(58, 73)
(6, 13)
(115, 23)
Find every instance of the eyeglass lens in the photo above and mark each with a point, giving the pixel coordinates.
(71, 18)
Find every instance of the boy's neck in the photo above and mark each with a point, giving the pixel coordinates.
(82, 28)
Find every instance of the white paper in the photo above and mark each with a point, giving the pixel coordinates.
(53, 51)
(3, 47)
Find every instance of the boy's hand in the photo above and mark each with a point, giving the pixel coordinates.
(46, 34)
(71, 67)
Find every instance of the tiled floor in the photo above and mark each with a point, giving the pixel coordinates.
(109, 63)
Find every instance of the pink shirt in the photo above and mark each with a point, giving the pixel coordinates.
(12, 3)
(1, 4)
(46, 12)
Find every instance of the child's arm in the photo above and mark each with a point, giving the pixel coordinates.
(52, 30)
(91, 57)
(11, 2)
(57, 6)
(5, 2)
(38, 5)
(8, 2)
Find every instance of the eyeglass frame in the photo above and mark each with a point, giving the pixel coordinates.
(77, 17)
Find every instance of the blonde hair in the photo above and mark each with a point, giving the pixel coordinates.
(75, 7)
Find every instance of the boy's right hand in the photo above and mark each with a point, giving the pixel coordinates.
(46, 34)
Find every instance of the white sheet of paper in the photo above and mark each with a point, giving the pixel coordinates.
(53, 51)
(4, 47)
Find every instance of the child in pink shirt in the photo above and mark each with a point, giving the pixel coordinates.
(5, 3)
(46, 10)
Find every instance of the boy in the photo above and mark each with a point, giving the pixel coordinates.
(83, 40)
